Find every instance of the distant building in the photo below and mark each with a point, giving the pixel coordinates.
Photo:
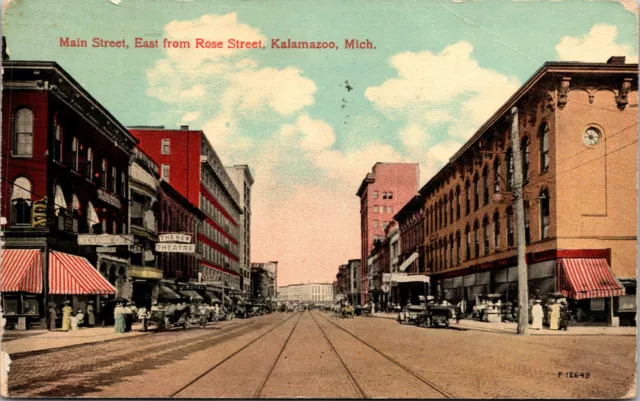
(271, 267)
(263, 282)
(311, 292)
(243, 180)
(382, 193)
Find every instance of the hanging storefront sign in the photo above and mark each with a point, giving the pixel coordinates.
(106, 249)
(39, 213)
(146, 272)
(105, 239)
(175, 237)
(109, 198)
(181, 248)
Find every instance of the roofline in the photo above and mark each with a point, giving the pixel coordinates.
(9, 64)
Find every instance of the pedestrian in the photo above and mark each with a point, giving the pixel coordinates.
(80, 318)
(118, 315)
(103, 313)
(554, 318)
(537, 313)
(66, 315)
(53, 316)
(91, 316)
(74, 322)
(128, 318)
(134, 312)
(143, 317)
(458, 313)
(564, 316)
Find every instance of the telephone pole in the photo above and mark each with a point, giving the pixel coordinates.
(518, 197)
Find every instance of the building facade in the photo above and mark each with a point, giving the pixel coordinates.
(65, 176)
(263, 287)
(272, 268)
(189, 164)
(311, 292)
(382, 193)
(243, 180)
(577, 126)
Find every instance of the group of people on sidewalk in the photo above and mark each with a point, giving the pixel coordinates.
(71, 320)
(558, 315)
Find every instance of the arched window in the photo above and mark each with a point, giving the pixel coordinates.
(510, 167)
(544, 147)
(496, 176)
(60, 206)
(510, 232)
(103, 174)
(123, 185)
(496, 231)
(93, 221)
(476, 239)
(524, 157)
(476, 192)
(75, 209)
(451, 260)
(527, 226)
(21, 202)
(458, 202)
(75, 153)
(445, 261)
(89, 164)
(467, 195)
(485, 186)
(458, 245)
(467, 233)
(486, 235)
(544, 214)
(445, 218)
(23, 133)
(451, 207)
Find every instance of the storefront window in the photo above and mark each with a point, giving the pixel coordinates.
(30, 306)
(544, 214)
(10, 305)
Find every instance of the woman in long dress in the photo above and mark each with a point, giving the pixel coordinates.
(537, 314)
(118, 314)
(66, 316)
(554, 319)
(53, 316)
(91, 315)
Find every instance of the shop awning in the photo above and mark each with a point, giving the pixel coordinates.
(212, 297)
(165, 292)
(582, 278)
(226, 298)
(192, 295)
(408, 262)
(70, 274)
(240, 300)
(21, 270)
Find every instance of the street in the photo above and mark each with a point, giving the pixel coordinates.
(314, 354)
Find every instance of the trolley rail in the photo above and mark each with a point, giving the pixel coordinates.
(430, 384)
(217, 365)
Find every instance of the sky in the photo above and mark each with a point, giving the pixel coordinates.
(438, 71)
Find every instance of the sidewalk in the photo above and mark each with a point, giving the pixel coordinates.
(46, 340)
(511, 328)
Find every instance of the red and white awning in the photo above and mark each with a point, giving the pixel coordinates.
(21, 270)
(582, 278)
(69, 274)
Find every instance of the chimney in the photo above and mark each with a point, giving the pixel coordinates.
(616, 60)
(186, 127)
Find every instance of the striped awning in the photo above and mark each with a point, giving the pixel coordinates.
(21, 270)
(70, 274)
(582, 278)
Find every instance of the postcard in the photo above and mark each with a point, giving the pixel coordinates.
(319, 199)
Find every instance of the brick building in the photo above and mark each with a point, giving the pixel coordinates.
(382, 193)
(243, 180)
(577, 126)
(190, 164)
(65, 173)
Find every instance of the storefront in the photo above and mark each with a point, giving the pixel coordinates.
(145, 284)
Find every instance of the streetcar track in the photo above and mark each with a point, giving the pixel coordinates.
(264, 382)
(211, 369)
(444, 393)
(363, 394)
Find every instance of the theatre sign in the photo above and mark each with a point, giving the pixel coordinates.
(172, 247)
(175, 237)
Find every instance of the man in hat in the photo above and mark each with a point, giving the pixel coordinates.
(537, 314)
(91, 315)
(66, 315)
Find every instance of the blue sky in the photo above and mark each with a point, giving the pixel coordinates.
(438, 71)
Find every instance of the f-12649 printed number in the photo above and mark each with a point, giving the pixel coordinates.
(574, 375)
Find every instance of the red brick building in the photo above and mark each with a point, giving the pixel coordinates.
(189, 164)
(382, 193)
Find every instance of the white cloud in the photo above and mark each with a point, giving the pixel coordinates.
(596, 46)
(190, 117)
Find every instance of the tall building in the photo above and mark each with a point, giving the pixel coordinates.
(578, 130)
(190, 164)
(272, 268)
(311, 292)
(382, 193)
(243, 180)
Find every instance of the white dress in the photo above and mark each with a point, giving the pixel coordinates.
(537, 314)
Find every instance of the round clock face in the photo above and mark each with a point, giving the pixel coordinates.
(591, 137)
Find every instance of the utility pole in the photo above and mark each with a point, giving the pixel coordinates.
(518, 197)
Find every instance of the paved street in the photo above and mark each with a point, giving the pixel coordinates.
(313, 354)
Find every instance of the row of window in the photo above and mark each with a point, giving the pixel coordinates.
(216, 215)
(213, 159)
(385, 195)
(216, 257)
(477, 191)
(384, 224)
(220, 196)
(216, 236)
(441, 255)
(382, 209)
(214, 275)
